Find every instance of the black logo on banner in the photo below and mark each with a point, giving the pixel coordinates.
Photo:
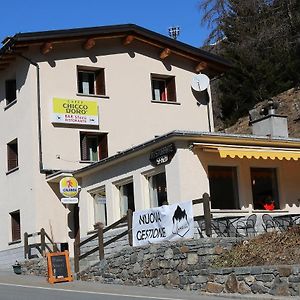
(181, 225)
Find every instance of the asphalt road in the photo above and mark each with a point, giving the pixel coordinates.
(18, 287)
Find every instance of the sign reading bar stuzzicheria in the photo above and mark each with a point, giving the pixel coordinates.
(69, 111)
(165, 223)
(162, 155)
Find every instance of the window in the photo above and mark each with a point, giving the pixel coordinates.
(223, 187)
(264, 188)
(100, 207)
(12, 155)
(163, 88)
(91, 82)
(15, 225)
(93, 146)
(158, 190)
(10, 91)
(126, 198)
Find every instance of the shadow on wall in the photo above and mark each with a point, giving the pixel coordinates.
(202, 98)
(11, 74)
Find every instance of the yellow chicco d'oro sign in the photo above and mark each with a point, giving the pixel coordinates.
(69, 111)
(68, 187)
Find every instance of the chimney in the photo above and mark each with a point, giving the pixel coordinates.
(267, 122)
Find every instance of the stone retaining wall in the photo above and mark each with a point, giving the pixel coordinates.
(186, 265)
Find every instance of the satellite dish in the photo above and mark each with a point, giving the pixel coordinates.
(200, 82)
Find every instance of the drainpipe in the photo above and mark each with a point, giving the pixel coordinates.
(35, 64)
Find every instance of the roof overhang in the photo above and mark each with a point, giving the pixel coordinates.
(128, 33)
(196, 140)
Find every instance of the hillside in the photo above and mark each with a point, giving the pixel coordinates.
(272, 248)
(289, 105)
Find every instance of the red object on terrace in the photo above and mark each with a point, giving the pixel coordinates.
(269, 206)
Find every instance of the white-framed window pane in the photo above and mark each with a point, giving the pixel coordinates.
(126, 198)
(100, 208)
(158, 190)
(86, 82)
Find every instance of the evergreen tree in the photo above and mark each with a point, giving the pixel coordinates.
(260, 38)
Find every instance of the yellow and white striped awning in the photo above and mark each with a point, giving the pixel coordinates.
(239, 152)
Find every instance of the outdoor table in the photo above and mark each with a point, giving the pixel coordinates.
(227, 228)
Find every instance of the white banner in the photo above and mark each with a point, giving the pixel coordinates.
(165, 223)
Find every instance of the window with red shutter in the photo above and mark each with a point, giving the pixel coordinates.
(90, 81)
(93, 146)
(15, 225)
(12, 155)
(163, 88)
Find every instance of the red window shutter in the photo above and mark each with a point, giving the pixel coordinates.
(103, 152)
(15, 225)
(84, 150)
(171, 89)
(100, 82)
(12, 155)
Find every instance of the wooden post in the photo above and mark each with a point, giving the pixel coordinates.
(129, 222)
(43, 242)
(77, 238)
(101, 242)
(207, 214)
(26, 250)
(76, 256)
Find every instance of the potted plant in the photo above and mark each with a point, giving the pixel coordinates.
(17, 268)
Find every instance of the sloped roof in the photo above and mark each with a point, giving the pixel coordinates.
(21, 41)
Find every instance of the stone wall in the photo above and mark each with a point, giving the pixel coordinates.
(185, 265)
(10, 256)
(36, 266)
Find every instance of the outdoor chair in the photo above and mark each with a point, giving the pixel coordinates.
(247, 225)
(219, 227)
(201, 228)
(268, 222)
(284, 222)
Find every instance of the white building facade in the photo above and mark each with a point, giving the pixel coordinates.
(133, 83)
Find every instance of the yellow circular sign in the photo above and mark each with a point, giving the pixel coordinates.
(68, 186)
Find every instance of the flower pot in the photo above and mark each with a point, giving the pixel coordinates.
(17, 269)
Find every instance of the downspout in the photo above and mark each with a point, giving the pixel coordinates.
(35, 64)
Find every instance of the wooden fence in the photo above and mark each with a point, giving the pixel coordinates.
(42, 246)
(100, 236)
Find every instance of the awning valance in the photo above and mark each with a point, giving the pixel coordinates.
(264, 154)
(249, 153)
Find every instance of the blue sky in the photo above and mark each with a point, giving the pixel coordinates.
(157, 15)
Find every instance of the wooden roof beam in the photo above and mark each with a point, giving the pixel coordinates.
(165, 53)
(201, 66)
(89, 44)
(46, 48)
(128, 40)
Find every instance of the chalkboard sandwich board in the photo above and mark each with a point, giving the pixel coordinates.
(59, 267)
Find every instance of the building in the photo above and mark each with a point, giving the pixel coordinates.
(240, 172)
(73, 97)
